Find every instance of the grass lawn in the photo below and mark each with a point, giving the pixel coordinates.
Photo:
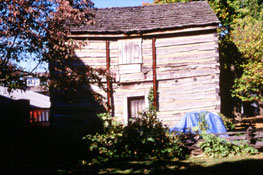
(232, 165)
(194, 165)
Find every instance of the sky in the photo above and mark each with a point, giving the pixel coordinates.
(118, 3)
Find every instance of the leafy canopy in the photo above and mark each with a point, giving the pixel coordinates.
(23, 36)
(248, 38)
(38, 30)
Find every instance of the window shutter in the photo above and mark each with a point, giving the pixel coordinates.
(121, 51)
(137, 52)
(130, 51)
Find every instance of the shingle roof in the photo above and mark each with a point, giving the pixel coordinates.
(141, 19)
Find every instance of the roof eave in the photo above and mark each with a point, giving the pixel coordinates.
(149, 31)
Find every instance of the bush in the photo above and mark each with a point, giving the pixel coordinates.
(217, 147)
(146, 137)
(104, 146)
(229, 124)
(143, 138)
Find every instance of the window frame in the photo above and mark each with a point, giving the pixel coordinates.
(127, 60)
(126, 105)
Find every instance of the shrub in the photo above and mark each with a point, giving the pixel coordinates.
(104, 146)
(145, 137)
(229, 124)
(217, 147)
(175, 148)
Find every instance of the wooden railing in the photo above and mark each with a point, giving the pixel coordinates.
(251, 136)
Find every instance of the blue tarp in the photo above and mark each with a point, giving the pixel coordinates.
(190, 120)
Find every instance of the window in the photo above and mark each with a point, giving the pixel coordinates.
(132, 105)
(135, 105)
(130, 51)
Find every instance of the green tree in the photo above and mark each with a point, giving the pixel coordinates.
(248, 37)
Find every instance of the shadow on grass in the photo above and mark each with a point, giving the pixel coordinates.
(40, 151)
(134, 167)
(249, 166)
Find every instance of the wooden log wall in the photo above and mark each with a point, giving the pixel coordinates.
(187, 73)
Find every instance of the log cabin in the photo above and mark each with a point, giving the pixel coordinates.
(172, 48)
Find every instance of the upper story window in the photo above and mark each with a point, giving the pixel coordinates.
(130, 51)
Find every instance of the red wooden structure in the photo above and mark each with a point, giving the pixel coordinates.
(39, 115)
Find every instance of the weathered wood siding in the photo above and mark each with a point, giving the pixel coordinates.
(188, 70)
(187, 73)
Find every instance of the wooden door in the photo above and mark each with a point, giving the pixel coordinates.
(135, 105)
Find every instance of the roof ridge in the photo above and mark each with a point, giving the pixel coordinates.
(151, 5)
(149, 18)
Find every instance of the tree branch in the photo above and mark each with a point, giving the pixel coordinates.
(7, 57)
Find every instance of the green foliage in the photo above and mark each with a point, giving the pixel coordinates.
(151, 99)
(147, 137)
(144, 135)
(250, 85)
(103, 147)
(217, 147)
(248, 37)
(228, 122)
(251, 8)
(202, 125)
(109, 124)
(229, 11)
(144, 138)
(175, 148)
